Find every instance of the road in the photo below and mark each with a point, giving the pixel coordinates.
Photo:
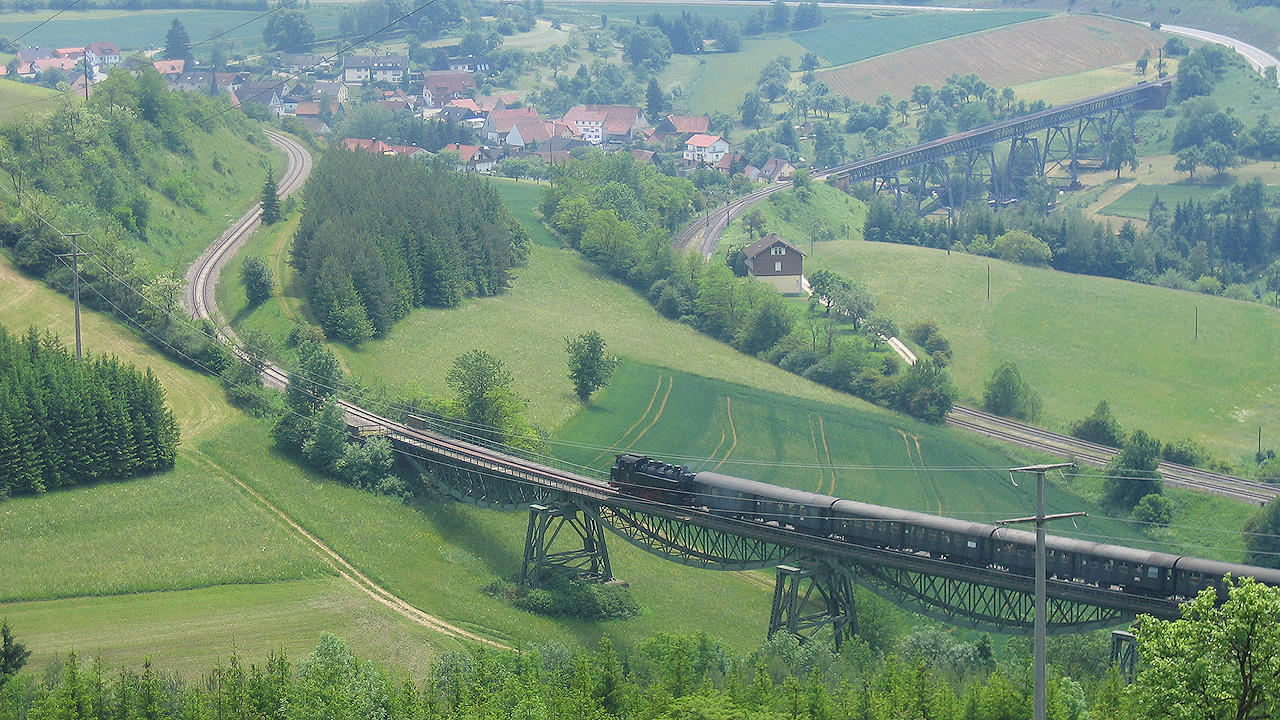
(1259, 58)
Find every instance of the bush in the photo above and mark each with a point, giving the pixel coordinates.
(1009, 395)
(563, 595)
(1185, 452)
(1154, 509)
(1100, 427)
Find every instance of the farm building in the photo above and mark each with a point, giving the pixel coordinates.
(778, 263)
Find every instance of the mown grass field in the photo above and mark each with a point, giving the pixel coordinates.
(1137, 201)
(142, 29)
(1080, 339)
(717, 81)
(848, 40)
(1013, 55)
(187, 528)
(1068, 88)
(188, 631)
(438, 554)
(729, 429)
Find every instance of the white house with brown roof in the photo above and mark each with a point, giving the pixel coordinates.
(375, 68)
(500, 123)
(777, 262)
(599, 124)
(703, 148)
(441, 86)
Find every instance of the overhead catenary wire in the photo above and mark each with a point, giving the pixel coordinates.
(507, 478)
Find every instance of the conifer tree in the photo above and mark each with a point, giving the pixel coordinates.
(271, 213)
(177, 43)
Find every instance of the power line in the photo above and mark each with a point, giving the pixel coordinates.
(41, 24)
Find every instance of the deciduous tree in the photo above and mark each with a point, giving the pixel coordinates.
(289, 30)
(1218, 662)
(1132, 473)
(255, 275)
(1008, 394)
(590, 368)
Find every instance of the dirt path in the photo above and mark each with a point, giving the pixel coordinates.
(346, 570)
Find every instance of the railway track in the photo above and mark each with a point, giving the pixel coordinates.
(202, 277)
(1054, 443)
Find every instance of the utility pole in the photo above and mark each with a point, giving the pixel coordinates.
(75, 280)
(1041, 590)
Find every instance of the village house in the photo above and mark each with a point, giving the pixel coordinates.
(705, 149)
(102, 53)
(525, 132)
(270, 93)
(333, 90)
(472, 64)
(777, 262)
(500, 123)
(601, 124)
(204, 81)
(441, 86)
(300, 62)
(374, 68)
(777, 170)
(680, 127)
(378, 147)
(474, 157)
(726, 163)
(170, 67)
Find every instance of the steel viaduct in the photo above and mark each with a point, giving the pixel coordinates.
(1066, 136)
(569, 509)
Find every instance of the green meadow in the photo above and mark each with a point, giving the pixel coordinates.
(847, 40)
(717, 81)
(795, 219)
(1080, 339)
(142, 29)
(17, 99)
(1136, 203)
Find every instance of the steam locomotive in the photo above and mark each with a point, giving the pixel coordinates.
(1108, 566)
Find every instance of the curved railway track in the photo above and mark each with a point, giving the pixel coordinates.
(202, 277)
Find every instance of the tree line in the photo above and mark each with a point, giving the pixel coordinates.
(380, 236)
(621, 215)
(1214, 662)
(65, 422)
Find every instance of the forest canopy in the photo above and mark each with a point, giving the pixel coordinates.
(382, 235)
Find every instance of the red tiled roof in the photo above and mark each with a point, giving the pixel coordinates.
(532, 131)
(46, 63)
(702, 140)
(170, 67)
(466, 103)
(690, 123)
(504, 120)
(466, 151)
(376, 147)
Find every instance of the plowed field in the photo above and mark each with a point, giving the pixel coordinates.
(1011, 55)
